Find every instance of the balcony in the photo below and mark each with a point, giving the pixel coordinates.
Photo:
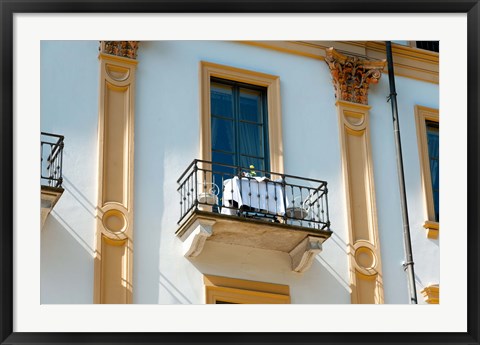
(51, 159)
(253, 208)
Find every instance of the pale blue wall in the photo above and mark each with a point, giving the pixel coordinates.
(167, 140)
(426, 252)
(69, 107)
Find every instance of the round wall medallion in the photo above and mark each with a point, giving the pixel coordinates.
(114, 221)
(365, 258)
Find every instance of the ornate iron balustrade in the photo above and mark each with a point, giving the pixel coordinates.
(257, 194)
(51, 159)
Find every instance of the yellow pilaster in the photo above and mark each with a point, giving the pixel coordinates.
(114, 234)
(351, 78)
(363, 249)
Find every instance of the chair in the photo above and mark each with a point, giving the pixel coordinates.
(207, 195)
(299, 210)
(302, 209)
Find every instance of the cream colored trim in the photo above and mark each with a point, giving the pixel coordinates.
(272, 83)
(423, 114)
(114, 235)
(409, 62)
(364, 245)
(431, 294)
(244, 291)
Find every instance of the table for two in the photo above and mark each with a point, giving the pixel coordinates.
(254, 196)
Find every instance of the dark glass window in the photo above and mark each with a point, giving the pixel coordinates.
(433, 155)
(429, 45)
(239, 125)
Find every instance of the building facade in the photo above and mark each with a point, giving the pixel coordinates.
(193, 172)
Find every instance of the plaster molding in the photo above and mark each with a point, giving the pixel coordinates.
(433, 229)
(352, 76)
(431, 294)
(194, 239)
(240, 291)
(413, 63)
(303, 255)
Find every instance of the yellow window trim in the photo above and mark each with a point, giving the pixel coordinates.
(272, 83)
(230, 290)
(431, 294)
(423, 114)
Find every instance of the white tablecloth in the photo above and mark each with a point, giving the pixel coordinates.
(259, 188)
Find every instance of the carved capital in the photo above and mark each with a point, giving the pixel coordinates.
(126, 49)
(352, 75)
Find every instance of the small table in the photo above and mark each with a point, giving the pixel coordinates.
(257, 193)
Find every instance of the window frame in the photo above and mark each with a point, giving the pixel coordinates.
(210, 70)
(239, 291)
(422, 115)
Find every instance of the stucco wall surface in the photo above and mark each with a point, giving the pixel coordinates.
(167, 132)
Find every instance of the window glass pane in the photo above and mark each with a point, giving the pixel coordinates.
(251, 139)
(433, 143)
(221, 100)
(258, 163)
(238, 122)
(433, 154)
(250, 105)
(223, 158)
(222, 135)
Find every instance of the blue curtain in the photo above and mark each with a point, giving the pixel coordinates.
(434, 157)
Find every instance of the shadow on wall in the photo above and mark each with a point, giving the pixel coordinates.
(321, 284)
(148, 206)
(78, 196)
(64, 264)
(175, 293)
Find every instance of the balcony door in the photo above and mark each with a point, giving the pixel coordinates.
(239, 126)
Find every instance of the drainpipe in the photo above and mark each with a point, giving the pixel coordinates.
(408, 265)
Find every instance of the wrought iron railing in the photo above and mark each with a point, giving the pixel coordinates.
(251, 193)
(51, 159)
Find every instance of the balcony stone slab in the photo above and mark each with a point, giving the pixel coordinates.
(301, 243)
(49, 197)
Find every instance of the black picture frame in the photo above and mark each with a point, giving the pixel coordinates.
(10, 7)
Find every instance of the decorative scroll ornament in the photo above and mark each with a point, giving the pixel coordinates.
(352, 75)
(126, 49)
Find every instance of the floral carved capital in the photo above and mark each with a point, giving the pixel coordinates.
(352, 75)
(126, 49)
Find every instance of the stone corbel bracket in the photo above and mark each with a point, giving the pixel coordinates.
(353, 75)
(50, 196)
(194, 239)
(304, 253)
